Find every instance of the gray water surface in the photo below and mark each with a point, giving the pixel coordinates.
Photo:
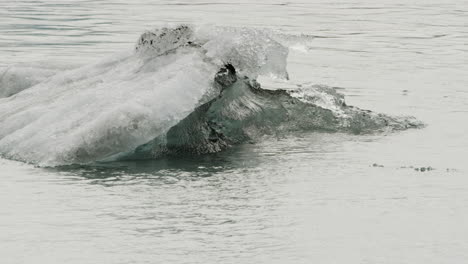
(307, 198)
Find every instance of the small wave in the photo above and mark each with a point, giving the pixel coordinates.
(163, 99)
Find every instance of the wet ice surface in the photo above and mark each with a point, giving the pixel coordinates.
(301, 199)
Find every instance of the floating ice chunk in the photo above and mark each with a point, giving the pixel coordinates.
(170, 91)
(96, 111)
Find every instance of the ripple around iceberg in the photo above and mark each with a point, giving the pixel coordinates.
(184, 90)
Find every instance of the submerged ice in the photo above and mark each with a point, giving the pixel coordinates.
(245, 112)
(184, 90)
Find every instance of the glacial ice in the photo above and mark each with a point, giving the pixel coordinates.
(99, 110)
(18, 77)
(245, 112)
(139, 100)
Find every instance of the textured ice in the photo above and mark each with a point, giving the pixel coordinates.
(99, 110)
(252, 51)
(245, 112)
(15, 78)
(165, 91)
(162, 40)
(320, 95)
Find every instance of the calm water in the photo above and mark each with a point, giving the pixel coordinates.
(309, 198)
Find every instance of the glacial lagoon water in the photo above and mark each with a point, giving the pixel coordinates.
(302, 198)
